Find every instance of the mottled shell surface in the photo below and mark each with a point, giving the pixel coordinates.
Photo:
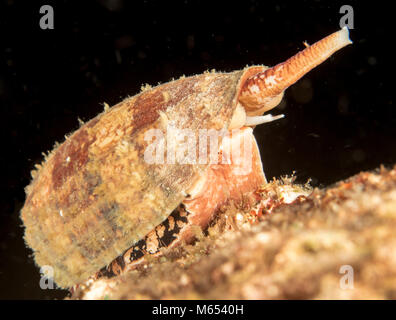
(95, 196)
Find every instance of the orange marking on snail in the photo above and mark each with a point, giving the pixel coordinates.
(266, 88)
(96, 203)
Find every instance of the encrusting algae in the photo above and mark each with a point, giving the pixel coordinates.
(295, 252)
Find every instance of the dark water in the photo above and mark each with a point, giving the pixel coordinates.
(340, 118)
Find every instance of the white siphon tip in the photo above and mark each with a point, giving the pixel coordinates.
(344, 35)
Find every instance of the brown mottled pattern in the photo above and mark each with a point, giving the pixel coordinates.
(222, 188)
(77, 151)
(153, 102)
(95, 196)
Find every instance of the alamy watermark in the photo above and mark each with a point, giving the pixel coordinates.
(47, 276)
(348, 16)
(204, 146)
(346, 281)
(47, 18)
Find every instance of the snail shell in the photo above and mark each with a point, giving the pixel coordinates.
(95, 195)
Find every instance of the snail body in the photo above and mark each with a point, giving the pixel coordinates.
(101, 195)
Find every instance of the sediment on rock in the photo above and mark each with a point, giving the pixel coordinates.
(299, 250)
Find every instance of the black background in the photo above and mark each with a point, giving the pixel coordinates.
(339, 120)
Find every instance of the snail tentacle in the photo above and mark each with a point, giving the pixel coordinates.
(256, 120)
